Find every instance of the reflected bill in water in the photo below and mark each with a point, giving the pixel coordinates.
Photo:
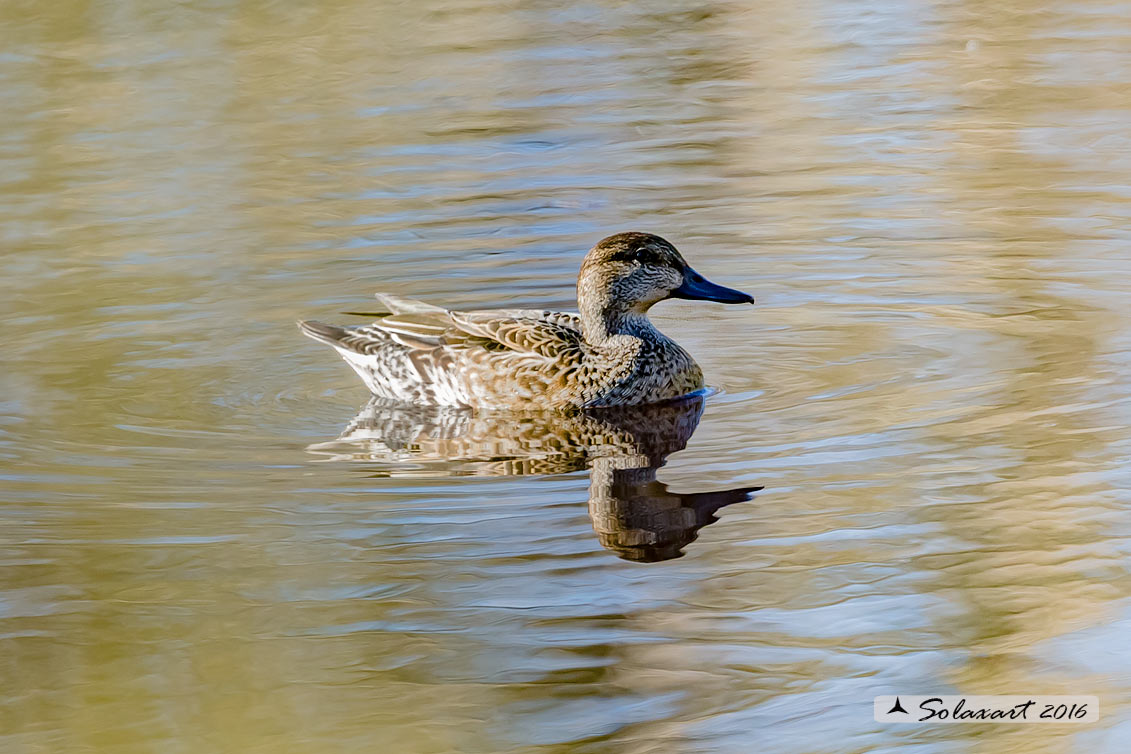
(634, 515)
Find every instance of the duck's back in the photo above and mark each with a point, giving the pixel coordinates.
(423, 354)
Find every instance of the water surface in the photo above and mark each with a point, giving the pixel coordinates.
(929, 200)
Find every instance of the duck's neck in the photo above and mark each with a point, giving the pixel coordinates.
(600, 322)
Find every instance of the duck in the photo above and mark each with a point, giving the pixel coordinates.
(607, 354)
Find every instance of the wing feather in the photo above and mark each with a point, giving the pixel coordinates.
(563, 319)
(534, 336)
(423, 327)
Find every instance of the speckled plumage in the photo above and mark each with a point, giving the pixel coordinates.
(609, 354)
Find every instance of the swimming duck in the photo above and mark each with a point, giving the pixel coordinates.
(609, 354)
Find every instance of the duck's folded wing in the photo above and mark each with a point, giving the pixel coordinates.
(423, 330)
(563, 319)
(399, 305)
(424, 327)
(520, 334)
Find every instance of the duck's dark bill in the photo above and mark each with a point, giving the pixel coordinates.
(699, 288)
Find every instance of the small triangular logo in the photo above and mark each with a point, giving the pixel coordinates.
(897, 707)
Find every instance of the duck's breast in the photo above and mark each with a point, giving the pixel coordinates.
(650, 371)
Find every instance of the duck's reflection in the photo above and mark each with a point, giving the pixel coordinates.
(634, 515)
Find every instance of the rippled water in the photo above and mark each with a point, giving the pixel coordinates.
(929, 200)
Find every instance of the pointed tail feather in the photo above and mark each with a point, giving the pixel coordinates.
(320, 331)
(401, 305)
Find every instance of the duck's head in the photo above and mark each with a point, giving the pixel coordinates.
(629, 272)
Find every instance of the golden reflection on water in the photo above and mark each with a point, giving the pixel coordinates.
(928, 200)
(634, 515)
